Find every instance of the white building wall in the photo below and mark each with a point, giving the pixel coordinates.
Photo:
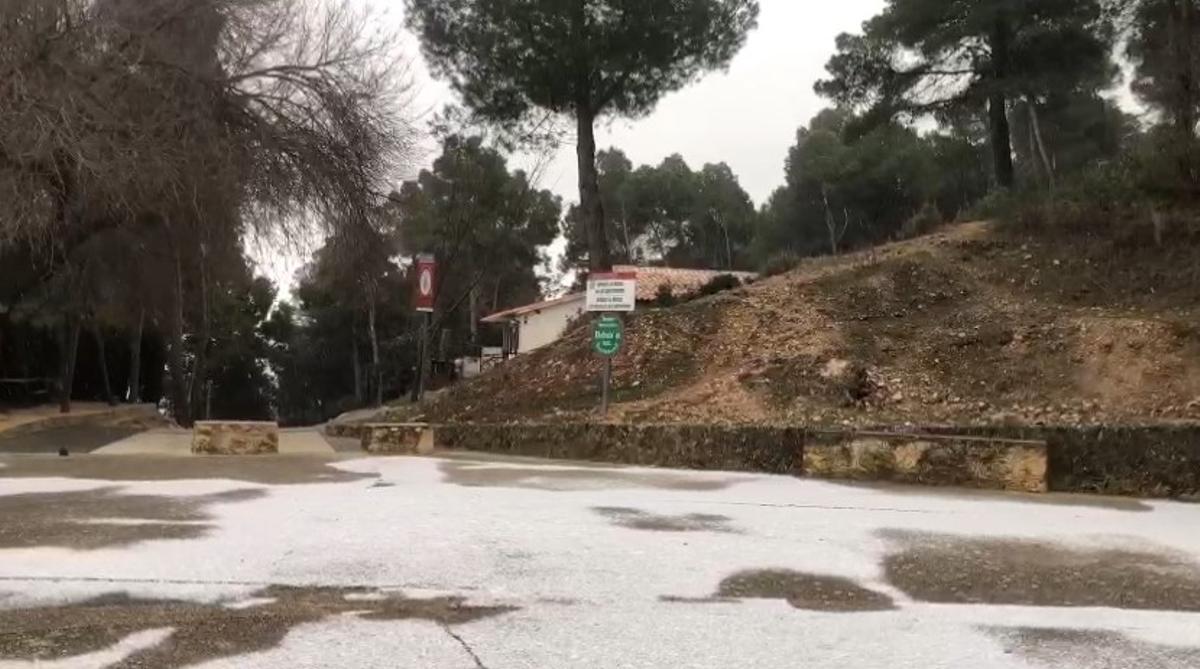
(546, 326)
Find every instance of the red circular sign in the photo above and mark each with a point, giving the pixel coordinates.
(426, 281)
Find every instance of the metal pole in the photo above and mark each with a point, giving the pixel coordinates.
(419, 365)
(606, 381)
(425, 355)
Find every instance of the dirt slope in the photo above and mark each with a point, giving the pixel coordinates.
(970, 325)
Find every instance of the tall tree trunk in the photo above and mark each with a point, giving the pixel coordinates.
(198, 385)
(134, 393)
(625, 231)
(419, 368)
(1180, 25)
(473, 306)
(830, 222)
(68, 347)
(359, 395)
(1035, 125)
(998, 103)
(376, 368)
(102, 358)
(175, 364)
(1180, 20)
(599, 255)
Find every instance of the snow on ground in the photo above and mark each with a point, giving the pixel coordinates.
(588, 590)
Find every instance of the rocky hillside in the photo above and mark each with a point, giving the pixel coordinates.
(973, 324)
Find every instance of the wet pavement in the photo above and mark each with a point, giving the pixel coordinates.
(467, 561)
(78, 439)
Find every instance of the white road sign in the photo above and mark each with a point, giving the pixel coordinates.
(612, 292)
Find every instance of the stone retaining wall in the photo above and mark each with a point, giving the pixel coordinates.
(1143, 460)
(728, 448)
(1146, 460)
(397, 438)
(117, 415)
(235, 438)
(969, 462)
(927, 459)
(347, 430)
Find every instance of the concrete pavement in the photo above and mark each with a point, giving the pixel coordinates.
(311, 561)
(175, 441)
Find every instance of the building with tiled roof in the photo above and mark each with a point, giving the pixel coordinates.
(530, 327)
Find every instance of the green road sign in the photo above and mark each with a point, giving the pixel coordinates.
(608, 335)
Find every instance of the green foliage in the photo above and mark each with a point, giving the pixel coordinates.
(719, 284)
(509, 59)
(1078, 131)
(242, 389)
(781, 263)
(998, 204)
(1164, 48)
(845, 192)
(669, 214)
(485, 225)
(664, 297)
(923, 222)
(930, 57)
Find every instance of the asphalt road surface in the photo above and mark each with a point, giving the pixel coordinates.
(462, 562)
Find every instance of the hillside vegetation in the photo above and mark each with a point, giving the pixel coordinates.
(977, 323)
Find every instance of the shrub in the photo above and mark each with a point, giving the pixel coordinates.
(998, 204)
(719, 284)
(781, 263)
(665, 297)
(925, 221)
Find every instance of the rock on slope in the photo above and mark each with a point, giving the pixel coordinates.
(973, 324)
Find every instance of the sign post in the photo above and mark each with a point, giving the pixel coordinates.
(424, 299)
(607, 337)
(608, 294)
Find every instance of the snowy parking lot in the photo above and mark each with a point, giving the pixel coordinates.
(463, 561)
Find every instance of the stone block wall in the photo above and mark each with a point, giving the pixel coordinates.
(975, 462)
(729, 448)
(1143, 460)
(235, 438)
(397, 438)
(345, 430)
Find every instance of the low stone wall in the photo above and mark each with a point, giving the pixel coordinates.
(118, 415)
(1148, 460)
(728, 448)
(974, 462)
(397, 438)
(235, 438)
(345, 430)
(1142, 460)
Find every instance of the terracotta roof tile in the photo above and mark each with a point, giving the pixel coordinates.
(501, 316)
(683, 282)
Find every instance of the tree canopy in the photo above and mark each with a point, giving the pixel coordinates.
(929, 57)
(486, 226)
(510, 59)
(668, 214)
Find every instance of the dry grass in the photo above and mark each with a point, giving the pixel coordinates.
(973, 324)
